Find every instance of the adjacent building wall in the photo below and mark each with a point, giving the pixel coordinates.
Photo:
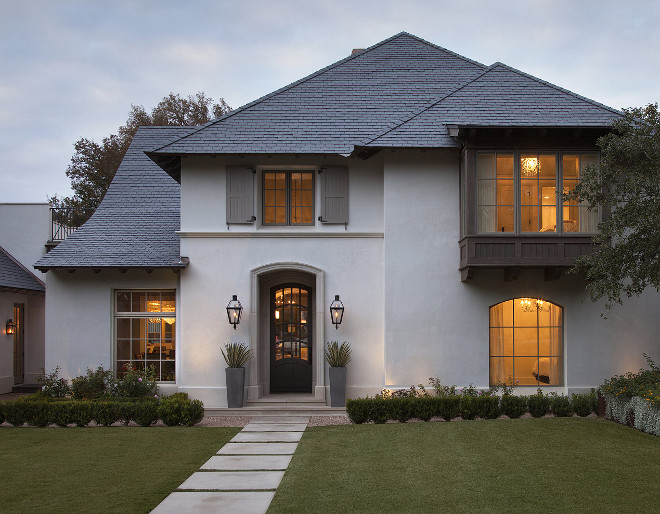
(24, 231)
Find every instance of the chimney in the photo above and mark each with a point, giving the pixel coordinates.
(357, 51)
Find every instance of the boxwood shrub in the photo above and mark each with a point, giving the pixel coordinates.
(39, 411)
(561, 405)
(538, 404)
(514, 406)
(584, 404)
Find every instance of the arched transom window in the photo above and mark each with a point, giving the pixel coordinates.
(526, 343)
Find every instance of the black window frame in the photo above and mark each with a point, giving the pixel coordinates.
(288, 205)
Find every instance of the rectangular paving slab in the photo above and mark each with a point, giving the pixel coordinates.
(254, 502)
(275, 427)
(247, 462)
(266, 437)
(258, 449)
(280, 419)
(233, 480)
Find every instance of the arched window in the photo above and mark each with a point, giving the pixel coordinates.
(526, 343)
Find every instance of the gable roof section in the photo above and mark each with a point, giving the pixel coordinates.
(14, 276)
(402, 92)
(335, 108)
(135, 224)
(500, 97)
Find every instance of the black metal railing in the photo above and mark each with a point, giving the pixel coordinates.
(65, 220)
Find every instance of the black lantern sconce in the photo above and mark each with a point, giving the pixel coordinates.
(336, 311)
(234, 309)
(10, 327)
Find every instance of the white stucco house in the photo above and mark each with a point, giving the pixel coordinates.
(418, 185)
(24, 233)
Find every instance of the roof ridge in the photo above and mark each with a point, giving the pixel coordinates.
(555, 86)
(13, 259)
(313, 75)
(430, 105)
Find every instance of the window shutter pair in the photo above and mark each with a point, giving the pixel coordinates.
(240, 194)
(334, 194)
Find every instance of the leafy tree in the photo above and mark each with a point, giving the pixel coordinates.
(626, 186)
(94, 164)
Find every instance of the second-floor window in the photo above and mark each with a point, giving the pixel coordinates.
(288, 198)
(521, 192)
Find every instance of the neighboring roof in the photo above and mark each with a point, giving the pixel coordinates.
(134, 227)
(401, 92)
(15, 277)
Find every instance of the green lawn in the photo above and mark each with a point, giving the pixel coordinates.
(524, 465)
(99, 469)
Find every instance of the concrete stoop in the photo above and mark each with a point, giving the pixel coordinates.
(244, 474)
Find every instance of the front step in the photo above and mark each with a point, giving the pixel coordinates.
(26, 388)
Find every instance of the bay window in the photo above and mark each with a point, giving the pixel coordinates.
(520, 192)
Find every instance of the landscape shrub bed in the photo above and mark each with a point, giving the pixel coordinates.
(469, 403)
(101, 397)
(634, 398)
(175, 410)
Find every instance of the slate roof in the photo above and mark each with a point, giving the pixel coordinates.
(136, 222)
(401, 92)
(14, 276)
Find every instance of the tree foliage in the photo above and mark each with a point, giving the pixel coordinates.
(93, 164)
(626, 186)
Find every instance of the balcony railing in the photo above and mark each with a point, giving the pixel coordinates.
(65, 220)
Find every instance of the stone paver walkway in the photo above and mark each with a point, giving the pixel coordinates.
(243, 476)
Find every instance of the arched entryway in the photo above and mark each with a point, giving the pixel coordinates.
(287, 338)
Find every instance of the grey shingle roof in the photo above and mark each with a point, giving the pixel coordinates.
(136, 222)
(400, 92)
(502, 96)
(335, 108)
(13, 276)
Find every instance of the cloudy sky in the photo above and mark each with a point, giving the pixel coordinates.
(72, 69)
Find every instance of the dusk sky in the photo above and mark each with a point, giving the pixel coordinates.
(72, 69)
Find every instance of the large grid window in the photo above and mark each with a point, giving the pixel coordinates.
(288, 198)
(145, 331)
(495, 187)
(576, 216)
(520, 192)
(526, 343)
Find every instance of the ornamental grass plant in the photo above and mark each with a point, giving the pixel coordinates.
(338, 356)
(236, 354)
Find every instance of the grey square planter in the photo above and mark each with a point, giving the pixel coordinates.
(337, 387)
(235, 380)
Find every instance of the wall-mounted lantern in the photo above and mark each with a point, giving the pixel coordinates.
(234, 309)
(10, 327)
(336, 311)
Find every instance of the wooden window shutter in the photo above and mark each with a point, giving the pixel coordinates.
(334, 194)
(240, 194)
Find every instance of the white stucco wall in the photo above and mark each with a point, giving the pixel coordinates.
(408, 315)
(79, 315)
(437, 326)
(24, 231)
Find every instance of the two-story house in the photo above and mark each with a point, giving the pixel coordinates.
(421, 187)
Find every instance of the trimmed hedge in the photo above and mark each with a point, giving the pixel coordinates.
(37, 411)
(402, 409)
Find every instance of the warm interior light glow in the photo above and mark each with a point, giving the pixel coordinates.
(277, 314)
(529, 166)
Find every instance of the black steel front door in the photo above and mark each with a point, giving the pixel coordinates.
(291, 339)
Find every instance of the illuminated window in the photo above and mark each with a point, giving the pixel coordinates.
(288, 198)
(145, 331)
(518, 192)
(526, 343)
